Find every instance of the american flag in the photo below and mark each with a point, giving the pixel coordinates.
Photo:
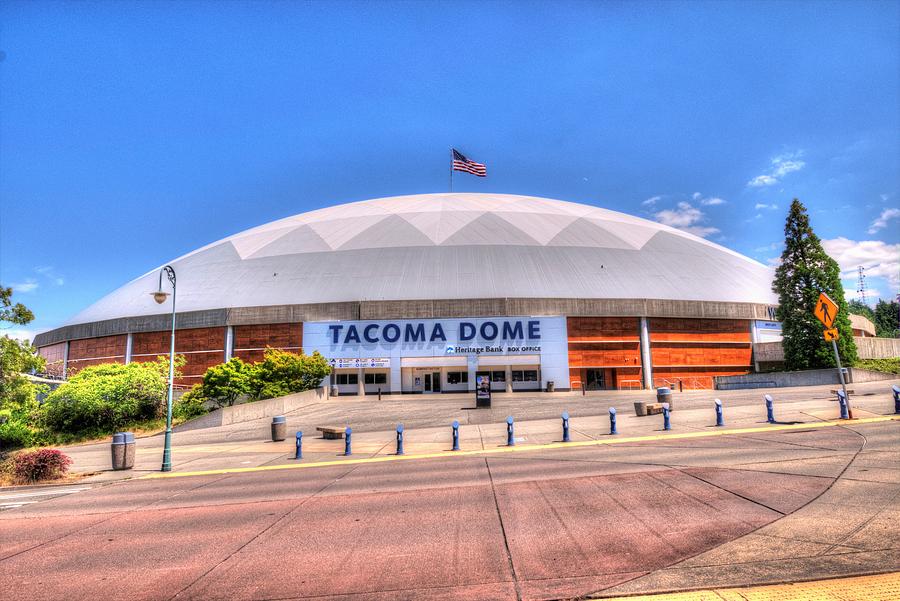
(461, 163)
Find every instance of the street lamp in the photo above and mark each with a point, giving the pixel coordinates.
(160, 297)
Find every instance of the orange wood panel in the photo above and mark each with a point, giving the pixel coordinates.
(276, 335)
(96, 348)
(601, 355)
(603, 328)
(699, 330)
(194, 339)
(672, 354)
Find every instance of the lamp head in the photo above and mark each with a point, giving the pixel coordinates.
(160, 296)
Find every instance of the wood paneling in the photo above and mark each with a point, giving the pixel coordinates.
(674, 354)
(603, 328)
(612, 343)
(55, 355)
(700, 330)
(277, 335)
(201, 348)
(98, 348)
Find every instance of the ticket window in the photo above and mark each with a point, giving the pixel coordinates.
(498, 379)
(375, 380)
(457, 381)
(346, 381)
(526, 378)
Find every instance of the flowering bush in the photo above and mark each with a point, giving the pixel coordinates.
(44, 464)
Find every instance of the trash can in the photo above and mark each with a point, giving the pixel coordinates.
(335, 391)
(640, 408)
(122, 450)
(279, 428)
(664, 395)
(551, 385)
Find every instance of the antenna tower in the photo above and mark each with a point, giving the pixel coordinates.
(861, 286)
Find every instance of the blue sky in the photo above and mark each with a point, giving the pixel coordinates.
(133, 133)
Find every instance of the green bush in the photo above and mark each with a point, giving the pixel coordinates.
(891, 366)
(16, 434)
(223, 384)
(191, 404)
(281, 373)
(101, 399)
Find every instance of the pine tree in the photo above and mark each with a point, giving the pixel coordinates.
(805, 271)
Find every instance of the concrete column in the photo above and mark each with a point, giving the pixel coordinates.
(472, 369)
(128, 342)
(65, 372)
(646, 357)
(229, 343)
(509, 378)
(361, 381)
(396, 379)
(754, 338)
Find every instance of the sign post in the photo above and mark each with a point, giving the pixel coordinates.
(826, 311)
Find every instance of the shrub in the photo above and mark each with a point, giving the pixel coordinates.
(15, 434)
(223, 384)
(281, 373)
(104, 398)
(191, 404)
(44, 464)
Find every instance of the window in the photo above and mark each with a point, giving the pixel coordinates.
(498, 376)
(346, 379)
(517, 376)
(376, 378)
(531, 375)
(457, 377)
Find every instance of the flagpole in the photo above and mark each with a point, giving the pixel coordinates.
(451, 169)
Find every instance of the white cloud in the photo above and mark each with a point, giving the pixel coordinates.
(882, 221)
(711, 202)
(686, 218)
(651, 201)
(762, 180)
(782, 164)
(29, 285)
(879, 259)
(762, 205)
(696, 196)
(50, 273)
(18, 334)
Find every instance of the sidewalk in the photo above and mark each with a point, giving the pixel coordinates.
(204, 452)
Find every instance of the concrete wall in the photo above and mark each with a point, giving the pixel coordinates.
(812, 377)
(248, 412)
(877, 348)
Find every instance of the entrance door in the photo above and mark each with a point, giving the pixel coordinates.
(594, 379)
(428, 382)
(436, 381)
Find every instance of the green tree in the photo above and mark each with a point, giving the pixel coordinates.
(18, 396)
(857, 307)
(805, 271)
(223, 384)
(887, 319)
(281, 373)
(18, 313)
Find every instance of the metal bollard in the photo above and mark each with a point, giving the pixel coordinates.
(770, 410)
(379, 393)
(842, 401)
(612, 421)
(400, 439)
(347, 434)
(896, 390)
(720, 419)
(565, 420)
(582, 389)
(455, 435)
(299, 453)
(667, 425)
(510, 437)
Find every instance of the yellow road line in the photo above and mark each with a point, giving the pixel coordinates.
(884, 587)
(526, 448)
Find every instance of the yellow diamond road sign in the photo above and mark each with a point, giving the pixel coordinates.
(831, 334)
(826, 310)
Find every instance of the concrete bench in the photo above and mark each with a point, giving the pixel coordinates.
(654, 408)
(849, 391)
(331, 432)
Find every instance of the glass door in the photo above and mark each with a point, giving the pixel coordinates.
(436, 381)
(428, 382)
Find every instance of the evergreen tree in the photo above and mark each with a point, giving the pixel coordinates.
(887, 320)
(857, 307)
(805, 271)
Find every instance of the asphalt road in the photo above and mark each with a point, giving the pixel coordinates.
(545, 524)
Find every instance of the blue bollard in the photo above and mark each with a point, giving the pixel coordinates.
(770, 410)
(720, 419)
(347, 434)
(896, 390)
(667, 424)
(299, 453)
(565, 420)
(455, 435)
(399, 439)
(612, 421)
(842, 401)
(510, 437)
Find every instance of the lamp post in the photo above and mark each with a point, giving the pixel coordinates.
(160, 297)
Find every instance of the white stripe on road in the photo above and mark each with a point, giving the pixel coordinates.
(44, 493)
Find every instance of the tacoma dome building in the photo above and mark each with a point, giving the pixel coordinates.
(424, 293)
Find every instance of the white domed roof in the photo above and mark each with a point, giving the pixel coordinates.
(449, 246)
